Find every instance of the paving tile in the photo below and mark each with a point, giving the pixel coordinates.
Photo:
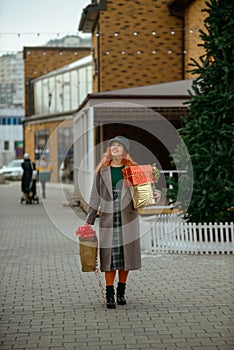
(182, 302)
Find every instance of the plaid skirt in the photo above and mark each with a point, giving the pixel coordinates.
(117, 253)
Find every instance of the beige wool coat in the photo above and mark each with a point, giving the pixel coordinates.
(101, 199)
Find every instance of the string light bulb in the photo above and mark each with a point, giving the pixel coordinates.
(116, 33)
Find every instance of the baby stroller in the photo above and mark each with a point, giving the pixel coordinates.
(34, 198)
(30, 196)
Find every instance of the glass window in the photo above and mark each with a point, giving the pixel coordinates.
(45, 97)
(65, 154)
(59, 93)
(41, 143)
(62, 92)
(38, 97)
(19, 149)
(82, 84)
(67, 91)
(52, 95)
(74, 89)
(6, 145)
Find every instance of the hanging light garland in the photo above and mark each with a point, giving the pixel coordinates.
(116, 34)
(172, 31)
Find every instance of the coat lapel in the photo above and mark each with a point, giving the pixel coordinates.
(124, 190)
(106, 176)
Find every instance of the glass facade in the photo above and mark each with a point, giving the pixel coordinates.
(41, 144)
(10, 120)
(65, 154)
(63, 89)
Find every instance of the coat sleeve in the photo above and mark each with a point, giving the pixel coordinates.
(94, 201)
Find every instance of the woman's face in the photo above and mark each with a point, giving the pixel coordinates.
(116, 149)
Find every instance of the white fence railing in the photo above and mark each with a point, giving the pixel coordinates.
(171, 234)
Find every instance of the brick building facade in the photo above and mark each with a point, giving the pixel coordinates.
(193, 21)
(37, 62)
(42, 60)
(134, 44)
(145, 42)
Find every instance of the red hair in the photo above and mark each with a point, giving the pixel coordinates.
(106, 160)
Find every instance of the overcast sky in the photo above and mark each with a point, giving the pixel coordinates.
(29, 17)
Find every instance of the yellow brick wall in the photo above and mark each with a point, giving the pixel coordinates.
(95, 59)
(118, 70)
(29, 139)
(194, 20)
(39, 61)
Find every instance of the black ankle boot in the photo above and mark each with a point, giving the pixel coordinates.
(120, 294)
(110, 297)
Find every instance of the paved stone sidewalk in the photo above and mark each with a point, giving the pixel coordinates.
(182, 302)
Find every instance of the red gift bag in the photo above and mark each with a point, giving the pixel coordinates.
(88, 247)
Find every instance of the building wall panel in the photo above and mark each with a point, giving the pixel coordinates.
(128, 60)
(194, 20)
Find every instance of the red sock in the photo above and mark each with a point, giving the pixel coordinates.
(110, 277)
(123, 275)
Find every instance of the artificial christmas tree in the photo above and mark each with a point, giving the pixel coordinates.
(208, 131)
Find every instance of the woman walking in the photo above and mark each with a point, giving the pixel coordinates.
(119, 226)
(44, 172)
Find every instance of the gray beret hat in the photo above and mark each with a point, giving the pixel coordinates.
(122, 140)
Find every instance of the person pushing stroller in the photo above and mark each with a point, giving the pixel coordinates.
(28, 182)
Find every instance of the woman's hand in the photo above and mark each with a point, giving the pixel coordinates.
(157, 195)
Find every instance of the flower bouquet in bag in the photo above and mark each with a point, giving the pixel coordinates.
(141, 180)
(88, 247)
